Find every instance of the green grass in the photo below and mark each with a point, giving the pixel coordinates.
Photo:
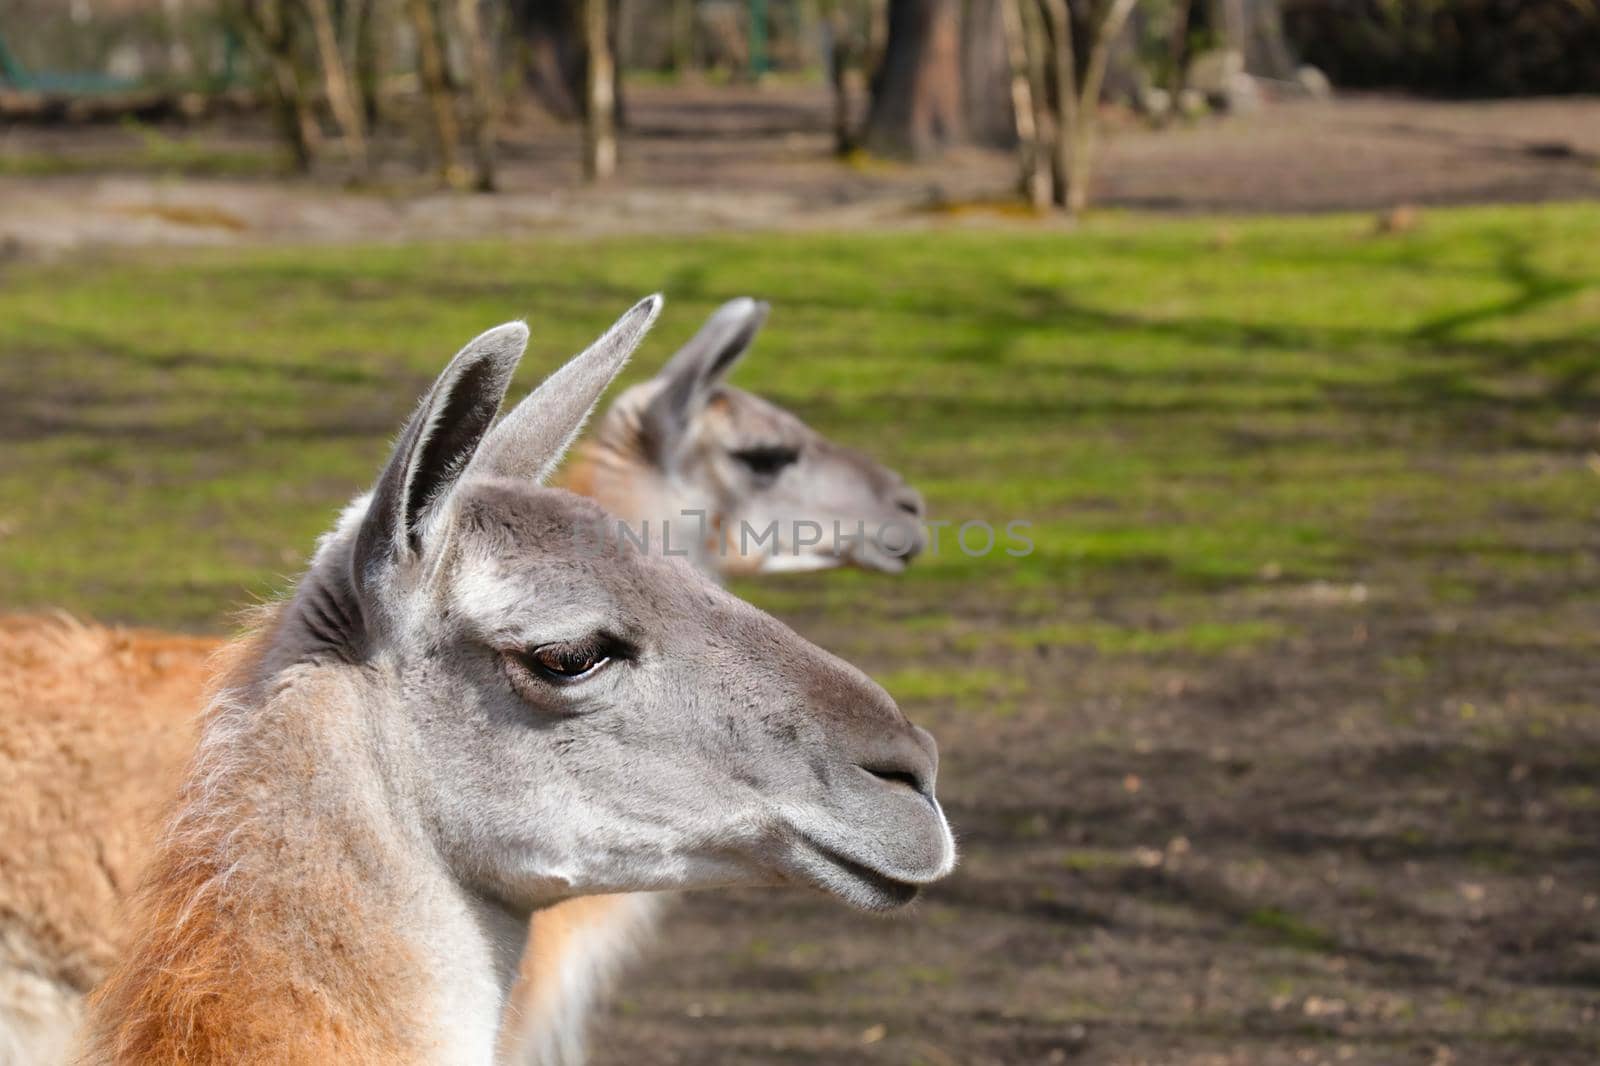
(1307, 401)
(1208, 638)
(962, 684)
(1290, 931)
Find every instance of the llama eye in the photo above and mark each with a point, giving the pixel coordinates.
(767, 459)
(565, 663)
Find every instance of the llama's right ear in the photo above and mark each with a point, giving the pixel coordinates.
(530, 441)
(434, 450)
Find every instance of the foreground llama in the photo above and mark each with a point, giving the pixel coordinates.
(466, 713)
(689, 451)
(96, 724)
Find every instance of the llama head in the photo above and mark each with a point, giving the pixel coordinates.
(571, 715)
(781, 495)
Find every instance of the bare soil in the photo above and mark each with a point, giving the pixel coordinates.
(1362, 845)
(699, 158)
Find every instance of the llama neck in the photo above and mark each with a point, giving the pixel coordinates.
(618, 477)
(613, 471)
(297, 911)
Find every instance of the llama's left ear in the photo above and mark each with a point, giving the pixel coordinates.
(434, 451)
(694, 372)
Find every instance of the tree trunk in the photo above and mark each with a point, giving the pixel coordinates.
(1063, 96)
(987, 98)
(557, 57)
(270, 25)
(1178, 48)
(599, 130)
(916, 95)
(430, 60)
(370, 58)
(1228, 22)
(556, 70)
(480, 77)
(682, 36)
(1033, 182)
(1267, 49)
(1105, 34)
(1075, 100)
(838, 56)
(1036, 38)
(336, 84)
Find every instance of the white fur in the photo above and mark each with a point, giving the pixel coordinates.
(555, 1031)
(38, 1014)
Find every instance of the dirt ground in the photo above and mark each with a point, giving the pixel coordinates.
(1342, 849)
(759, 157)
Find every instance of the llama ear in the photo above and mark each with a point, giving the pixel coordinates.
(694, 372)
(530, 441)
(435, 448)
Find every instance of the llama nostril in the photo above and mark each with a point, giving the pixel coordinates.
(910, 501)
(898, 777)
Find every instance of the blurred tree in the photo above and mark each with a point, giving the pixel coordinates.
(336, 84)
(846, 29)
(1267, 50)
(1177, 60)
(481, 91)
(1074, 98)
(916, 93)
(1027, 99)
(947, 76)
(436, 85)
(555, 55)
(682, 36)
(367, 41)
(987, 97)
(274, 28)
(599, 129)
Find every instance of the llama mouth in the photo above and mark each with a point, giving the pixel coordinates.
(854, 882)
(882, 562)
(872, 556)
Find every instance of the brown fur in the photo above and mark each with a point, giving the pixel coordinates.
(83, 813)
(578, 475)
(236, 893)
(194, 993)
(95, 727)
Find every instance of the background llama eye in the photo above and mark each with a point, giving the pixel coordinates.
(767, 460)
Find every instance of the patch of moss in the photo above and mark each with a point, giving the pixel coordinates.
(1290, 931)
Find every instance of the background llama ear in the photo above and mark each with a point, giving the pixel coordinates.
(530, 441)
(435, 448)
(694, 372)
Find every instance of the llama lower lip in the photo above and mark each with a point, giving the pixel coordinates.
(881, 561)
(887, 892)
